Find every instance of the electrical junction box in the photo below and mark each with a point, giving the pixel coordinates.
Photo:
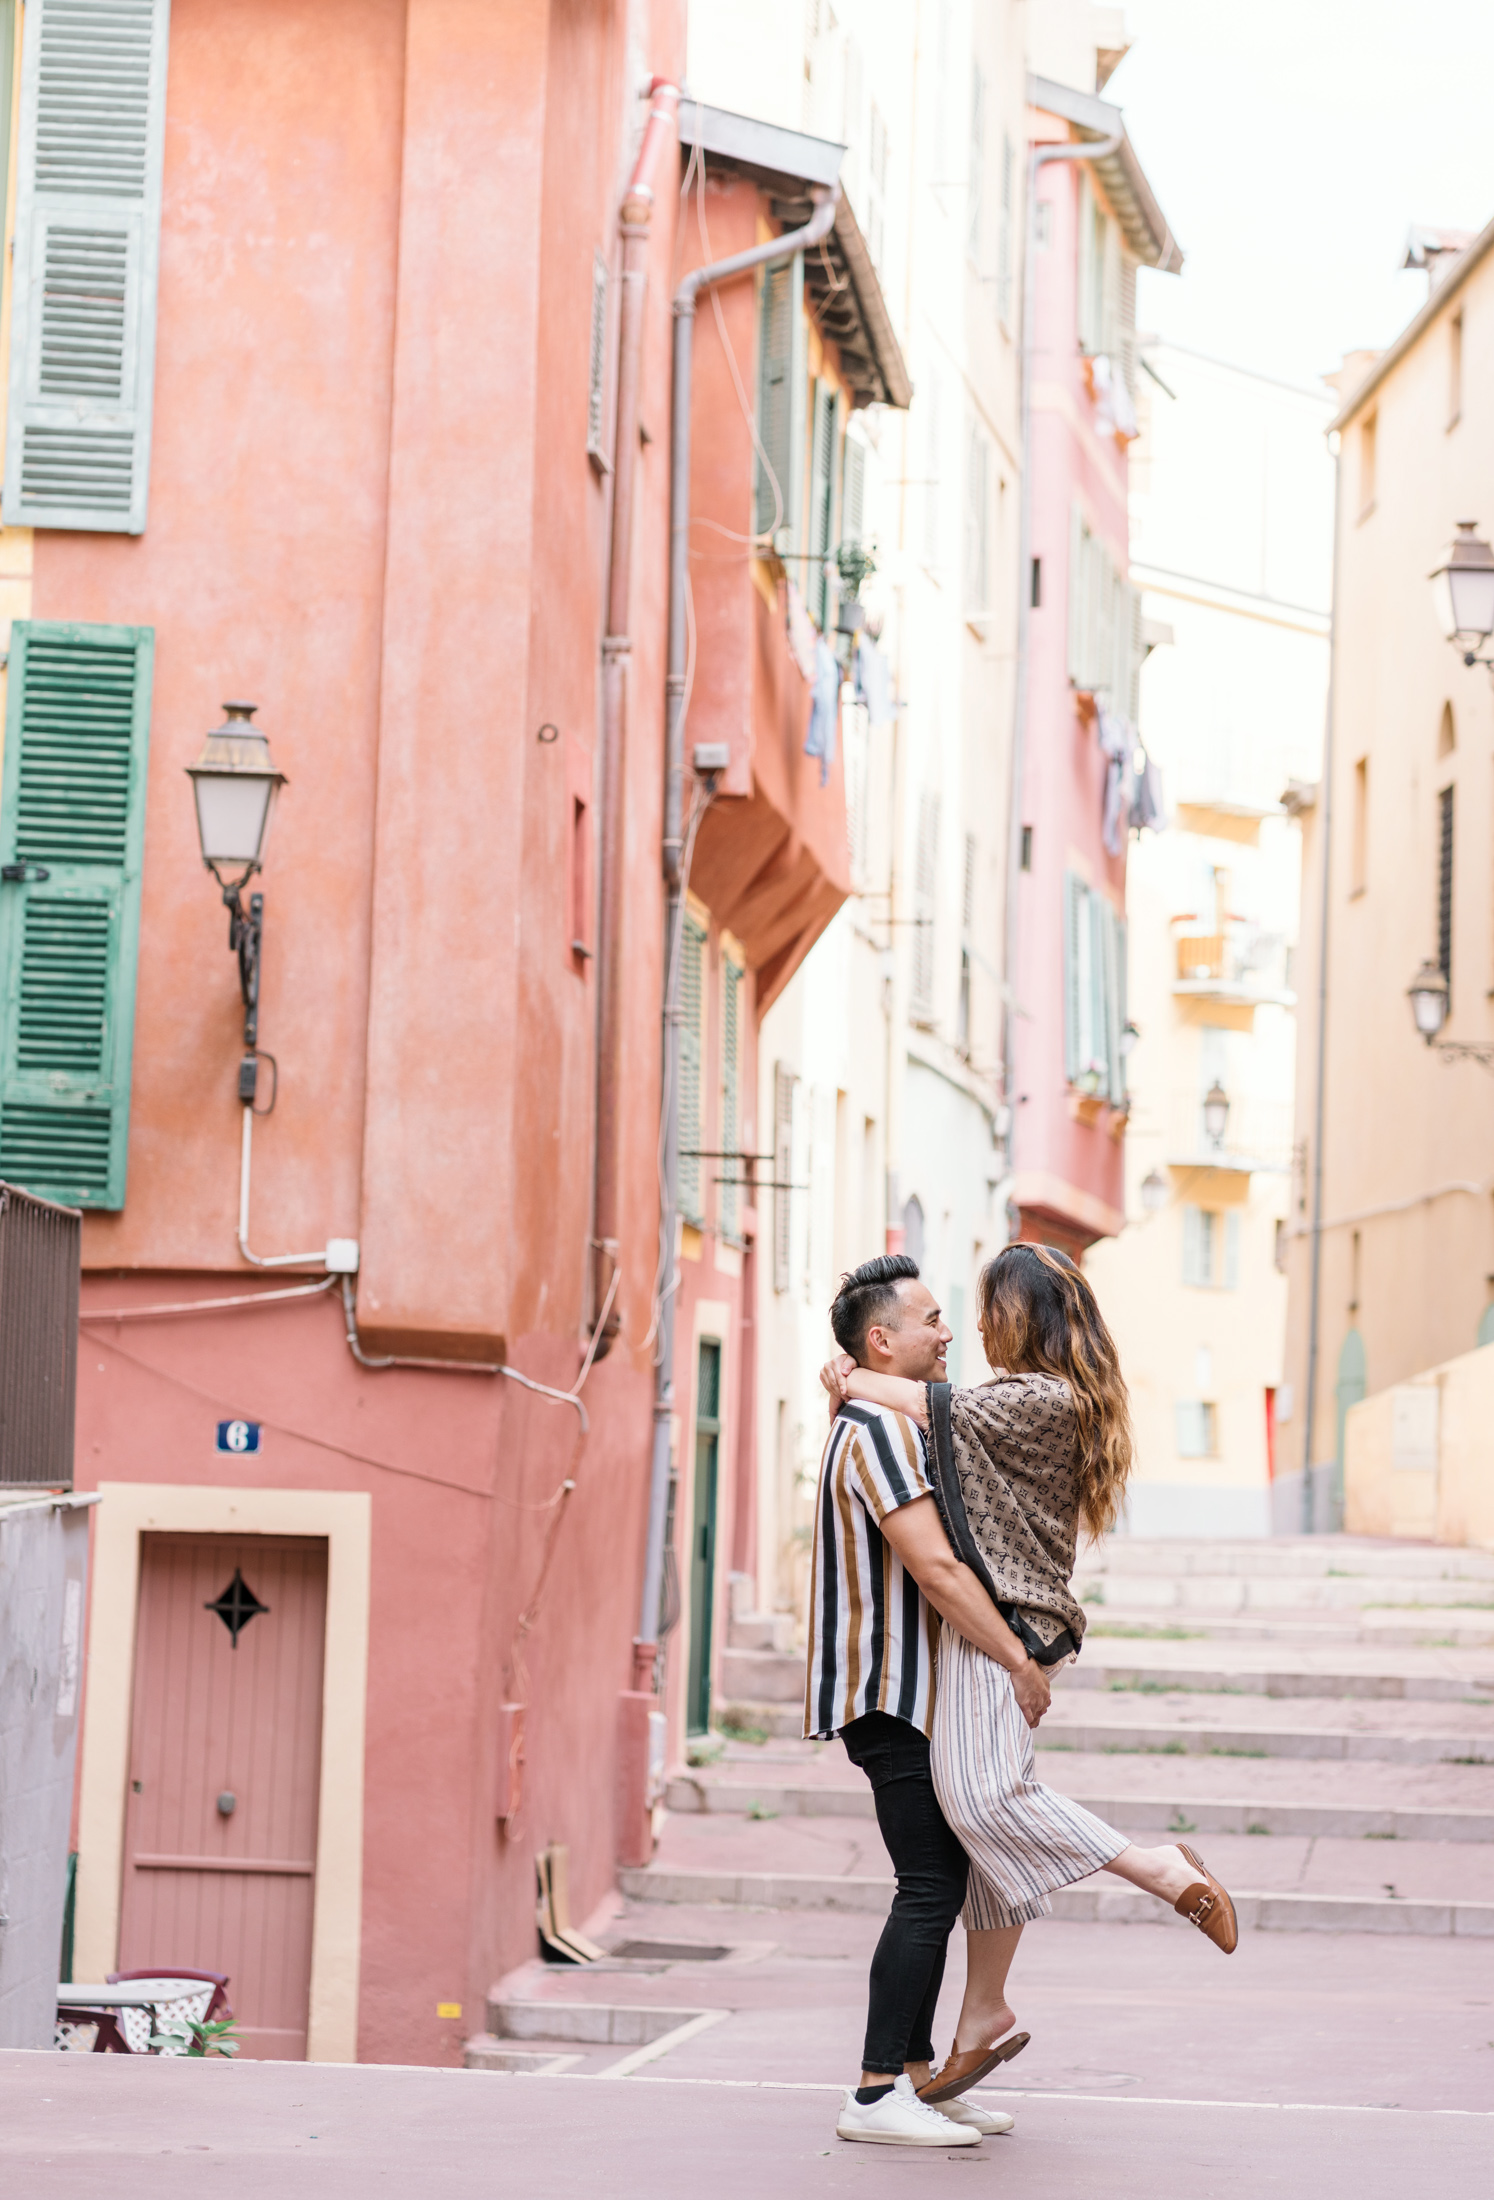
(712, 756)
(342, 1256)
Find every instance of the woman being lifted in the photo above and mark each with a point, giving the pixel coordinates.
(1018, 1462)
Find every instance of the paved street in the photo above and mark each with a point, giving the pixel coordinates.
(1346, 2050)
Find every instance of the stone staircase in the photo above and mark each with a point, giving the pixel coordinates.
(1321, 1710)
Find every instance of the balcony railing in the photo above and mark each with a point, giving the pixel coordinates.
(1242, 963)
(1257, 1136)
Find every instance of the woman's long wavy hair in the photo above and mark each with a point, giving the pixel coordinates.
(1038, 1316)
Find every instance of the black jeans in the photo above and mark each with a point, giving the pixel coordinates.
(908, 1967)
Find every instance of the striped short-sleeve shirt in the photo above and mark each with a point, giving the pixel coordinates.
(872, 1637)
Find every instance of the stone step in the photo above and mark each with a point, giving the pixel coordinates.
(761, 1631)
(774, 1721)
(1284, 1665)
(1440, 1627)
(1083, 1903)
(1277, 1557)
(1234, 1736)
(1166, 1810)
(763, 1676)
(1281, 1595)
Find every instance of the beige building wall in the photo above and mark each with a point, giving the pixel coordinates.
(1407, 1236)
(1231, 547)
(1416, 1456)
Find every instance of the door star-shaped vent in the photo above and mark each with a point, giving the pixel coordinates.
(236, 1606)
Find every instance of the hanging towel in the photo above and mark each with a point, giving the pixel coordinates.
(1117, 744)
(873, 682)
(803, 634)
(824, 712)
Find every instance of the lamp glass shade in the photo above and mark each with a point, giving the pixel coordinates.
(233, 809)
(1153, 1191)
(1427, 993)
(1464, 585)
(1216, 1111)
(234, 782)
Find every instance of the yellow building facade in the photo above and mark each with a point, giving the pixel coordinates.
(1391, 1237)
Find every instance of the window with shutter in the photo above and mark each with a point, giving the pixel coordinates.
(87, 247)
(924, 880)
(1004, 241)
(692, 1038)
(1231, 1252)
(72, 818)
(1075, 990)
(821, 499)
(1119, 1010)
(853, 491)
(1200, 1233)
(731, 1099)
(784, 1082)
(780, 403)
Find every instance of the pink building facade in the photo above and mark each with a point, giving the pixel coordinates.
(1094, 222)
(372, 1300)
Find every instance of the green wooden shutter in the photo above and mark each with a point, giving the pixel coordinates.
(692, 1004)
(780, 401)
(87, 250)
(853, 491)
(1075, 932)
(73, 805)
(821, 499)
(731, 1099)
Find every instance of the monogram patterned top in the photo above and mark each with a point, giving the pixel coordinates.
(1015, 1443)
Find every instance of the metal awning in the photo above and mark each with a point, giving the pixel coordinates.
(1121, 173)
(840, 278)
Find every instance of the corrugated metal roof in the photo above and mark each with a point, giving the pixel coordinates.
(1142, 219)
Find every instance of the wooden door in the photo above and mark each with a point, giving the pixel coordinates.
(225, 1760)
(703, 1547)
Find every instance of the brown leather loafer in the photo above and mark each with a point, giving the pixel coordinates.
(960, 2072)
(1208, 1906)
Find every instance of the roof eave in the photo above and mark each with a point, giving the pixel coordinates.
(1148, 232)
(1447, 289)
(789, 165)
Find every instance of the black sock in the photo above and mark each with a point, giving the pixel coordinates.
(866, 2094)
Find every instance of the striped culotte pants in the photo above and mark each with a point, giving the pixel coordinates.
(1023, 1840)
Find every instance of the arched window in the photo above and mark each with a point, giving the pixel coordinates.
(1447, 732)
(1486, 1324)
(913, 1230)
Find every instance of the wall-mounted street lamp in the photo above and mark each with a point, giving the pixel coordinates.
(1216, 1113)
(234, 782)
(1428, 996)
(1464, 583)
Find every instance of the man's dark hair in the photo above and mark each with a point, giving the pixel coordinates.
(869, 1294)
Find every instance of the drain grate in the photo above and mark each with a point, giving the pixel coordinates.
(668, 1951)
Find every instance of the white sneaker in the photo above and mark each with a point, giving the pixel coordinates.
(901, 2119)
(987, 2121)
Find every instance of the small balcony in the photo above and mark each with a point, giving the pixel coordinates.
(1241, 964)
(1257, 1138)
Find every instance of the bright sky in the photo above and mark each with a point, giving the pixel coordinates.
(1291, 145)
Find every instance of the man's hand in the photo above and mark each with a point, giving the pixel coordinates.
(1033, 1691)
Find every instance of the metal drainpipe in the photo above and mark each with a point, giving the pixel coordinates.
(634, 219)
(1038, 157)
(1310, 1403)
(788, 247)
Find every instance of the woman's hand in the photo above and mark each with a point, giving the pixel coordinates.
(1034, 1694)
(833, 1377)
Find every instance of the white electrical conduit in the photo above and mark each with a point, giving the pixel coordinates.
(270, 1260)
(204, 1306)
